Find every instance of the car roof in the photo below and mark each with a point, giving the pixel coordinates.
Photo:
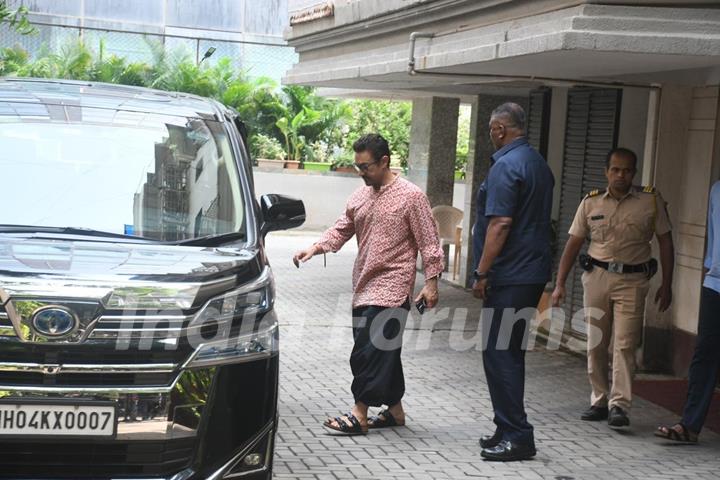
(16, 92)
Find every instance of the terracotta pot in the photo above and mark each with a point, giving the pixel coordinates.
(292, 164)
(345, 169)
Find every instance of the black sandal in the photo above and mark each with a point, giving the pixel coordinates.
(384, 419)
(671, 433)
(342, 428)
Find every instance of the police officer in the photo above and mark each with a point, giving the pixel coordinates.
(620, 222)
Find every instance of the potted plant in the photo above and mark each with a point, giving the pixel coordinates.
(316, 157)
(344, 162)
(268, 151)
(294, 141)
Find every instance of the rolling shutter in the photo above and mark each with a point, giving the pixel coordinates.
(591, 131)
(538, 119)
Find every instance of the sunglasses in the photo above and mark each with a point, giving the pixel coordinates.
(363, 167)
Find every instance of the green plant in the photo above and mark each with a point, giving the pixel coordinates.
(317, 151)
(345, 158)
(389, 119)
(263, 146)
(307, 125)
(463, 138)
(12, 59)
(17, 19)
(291, 129)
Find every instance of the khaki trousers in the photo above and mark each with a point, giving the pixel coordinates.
(620, 303)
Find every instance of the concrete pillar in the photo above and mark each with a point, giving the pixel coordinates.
(479, 153)
(556, 145)
(433, 143)
(686, 156)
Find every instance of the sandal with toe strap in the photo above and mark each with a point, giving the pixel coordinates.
(672, 434)
(384, 419)
(342, 427)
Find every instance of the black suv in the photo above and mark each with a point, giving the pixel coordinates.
(137, 332)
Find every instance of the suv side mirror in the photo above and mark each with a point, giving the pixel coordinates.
(281, 213)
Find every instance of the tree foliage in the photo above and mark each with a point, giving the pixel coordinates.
(389, 119)
(307, 125)
(16, 19)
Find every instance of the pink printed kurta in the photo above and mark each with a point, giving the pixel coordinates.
(391, 226)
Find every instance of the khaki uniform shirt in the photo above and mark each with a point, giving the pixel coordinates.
(621, 230)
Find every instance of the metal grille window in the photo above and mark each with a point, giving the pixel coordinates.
(591, 131)
(538, 119)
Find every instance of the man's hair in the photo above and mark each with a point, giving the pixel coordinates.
(513, 115)
(373, 143)
(621, 152)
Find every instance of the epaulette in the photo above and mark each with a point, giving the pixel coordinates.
(648, 189)
(593, 193)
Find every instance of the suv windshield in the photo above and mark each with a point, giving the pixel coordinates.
(160, 177)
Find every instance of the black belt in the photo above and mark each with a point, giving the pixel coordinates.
(621, 267)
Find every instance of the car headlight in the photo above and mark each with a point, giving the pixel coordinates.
(235, 327)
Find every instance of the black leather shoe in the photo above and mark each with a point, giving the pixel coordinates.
(594, 414)
(618, 418)
(507, 451)
(489, 441)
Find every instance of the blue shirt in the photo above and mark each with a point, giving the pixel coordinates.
(712, 256)
(518, 185)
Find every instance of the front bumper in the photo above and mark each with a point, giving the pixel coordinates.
(203, 426)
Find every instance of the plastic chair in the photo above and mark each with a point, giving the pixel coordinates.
(449, 222)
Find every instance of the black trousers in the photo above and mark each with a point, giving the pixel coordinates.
(375, 359)
(504, 357)
(705, 362)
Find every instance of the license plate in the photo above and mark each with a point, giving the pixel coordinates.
(57, 420)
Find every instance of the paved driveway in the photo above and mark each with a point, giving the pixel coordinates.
(447, 401)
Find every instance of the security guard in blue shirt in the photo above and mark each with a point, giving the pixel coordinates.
(512, 254)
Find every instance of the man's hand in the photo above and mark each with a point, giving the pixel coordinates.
(305, 255)
(558, 295)
(480, 288)
(429, 293)
(664, 297)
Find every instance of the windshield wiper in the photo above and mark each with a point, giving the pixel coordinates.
(213, 240)
(88, 232)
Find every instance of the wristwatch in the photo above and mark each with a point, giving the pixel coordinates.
(480, 275)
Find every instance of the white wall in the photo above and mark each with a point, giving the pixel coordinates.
(324, 195)
(692, 208)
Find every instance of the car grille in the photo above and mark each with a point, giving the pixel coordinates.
(69, 459)
(116, 340)
(15, 378)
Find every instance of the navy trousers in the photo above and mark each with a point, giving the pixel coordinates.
(504, 356)
(705, 362)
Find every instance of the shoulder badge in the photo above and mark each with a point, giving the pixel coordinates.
(648, 189)
(593, 193)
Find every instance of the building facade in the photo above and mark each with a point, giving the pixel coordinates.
(592, 75)
(246, 31)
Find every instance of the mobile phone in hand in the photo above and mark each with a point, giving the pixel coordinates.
(421, 306)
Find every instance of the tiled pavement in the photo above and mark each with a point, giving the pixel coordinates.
(447, 400)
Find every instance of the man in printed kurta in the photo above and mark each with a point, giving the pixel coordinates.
(392, 221)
